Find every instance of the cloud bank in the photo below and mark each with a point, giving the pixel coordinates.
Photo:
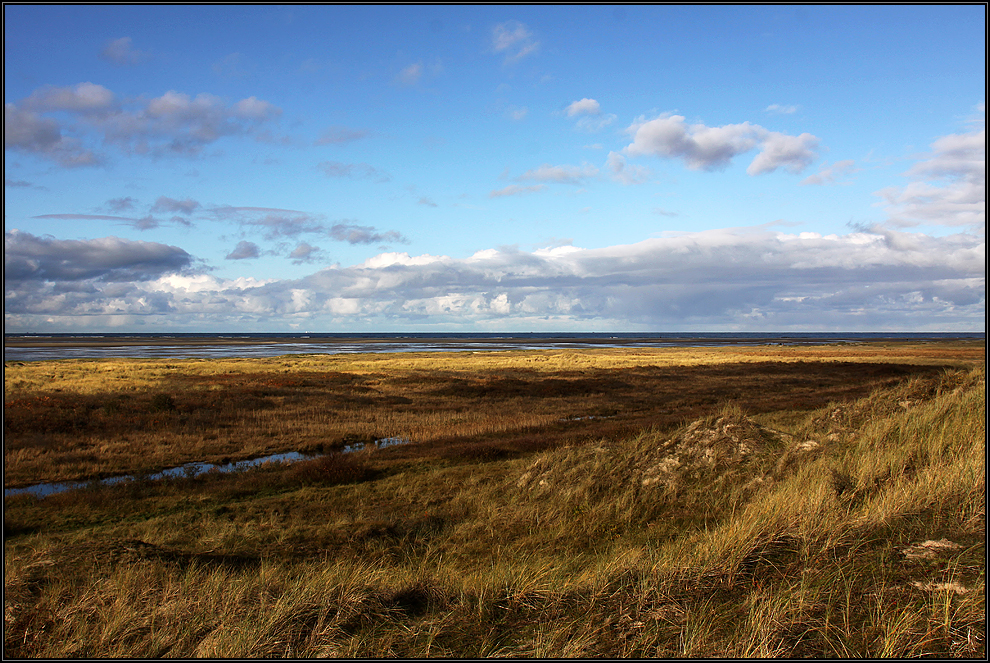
(749, 278)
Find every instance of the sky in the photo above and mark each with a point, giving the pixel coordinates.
(494, 168)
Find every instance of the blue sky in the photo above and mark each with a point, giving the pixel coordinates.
(494, 168)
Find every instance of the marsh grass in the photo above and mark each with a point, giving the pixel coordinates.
(79, 420)
(740, 532)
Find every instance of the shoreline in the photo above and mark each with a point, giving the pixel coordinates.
(521, 339)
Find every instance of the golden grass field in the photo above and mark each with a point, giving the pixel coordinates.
(812, 501)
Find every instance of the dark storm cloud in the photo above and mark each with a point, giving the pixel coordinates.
(31, 258)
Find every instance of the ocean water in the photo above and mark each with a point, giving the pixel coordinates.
(34, 347)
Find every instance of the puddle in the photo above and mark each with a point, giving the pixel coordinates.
(190, 470)
(379, 444)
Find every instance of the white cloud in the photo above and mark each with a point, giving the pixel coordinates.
(514, 40)
(82, 98)
(583, 107)
(624, 172)
(172, 124)
(948, 187)
(713, 148)
(829, 174)
(721, 279)
(781, 110)
(793, 153)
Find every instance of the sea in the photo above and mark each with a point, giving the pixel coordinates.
(36, 346)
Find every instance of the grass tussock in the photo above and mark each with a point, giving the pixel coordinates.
(853, 529)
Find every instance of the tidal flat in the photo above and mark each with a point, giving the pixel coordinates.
(730, 501)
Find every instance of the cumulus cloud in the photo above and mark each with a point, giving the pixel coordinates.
(84, 98)
(583, 107)
(172, 124)
(744, 278)
(947, 188)
(515, 189)
(829, 174)
(792, 153)
(340, 136)
(514, 40)
(360, 170)
(589, 115)
(27, 132)
(244, 250)
(563, 174)
(31, 258)
(120, 51)
(713, 148)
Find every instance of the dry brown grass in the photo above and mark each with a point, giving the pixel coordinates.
(789, 526)
(76, 420)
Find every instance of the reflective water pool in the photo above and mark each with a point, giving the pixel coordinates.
(190, 470)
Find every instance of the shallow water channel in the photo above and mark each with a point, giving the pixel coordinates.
(190, 470)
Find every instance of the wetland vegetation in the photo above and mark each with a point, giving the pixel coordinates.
(815, 501)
